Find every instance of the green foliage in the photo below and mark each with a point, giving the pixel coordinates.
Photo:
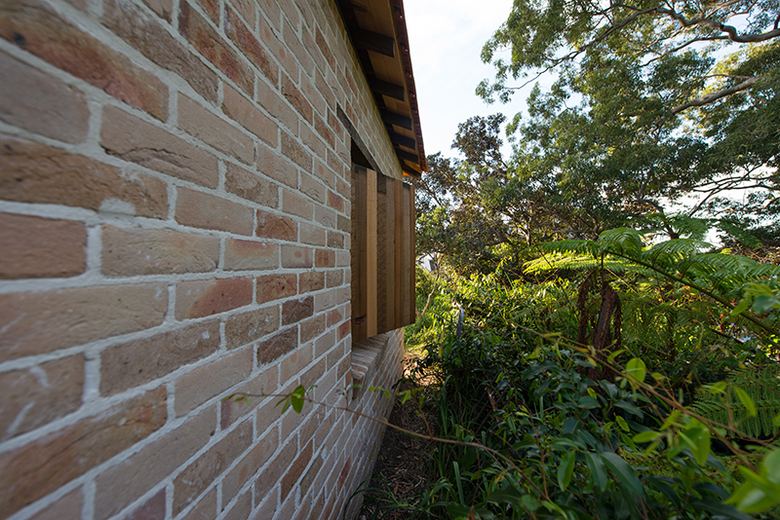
(749, 402)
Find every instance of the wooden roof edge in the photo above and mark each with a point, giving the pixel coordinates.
(403, 46)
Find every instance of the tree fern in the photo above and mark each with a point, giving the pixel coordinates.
(762, 385)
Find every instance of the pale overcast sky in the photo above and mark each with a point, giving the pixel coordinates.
(445, 40)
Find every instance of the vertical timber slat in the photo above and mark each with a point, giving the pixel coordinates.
(359, 253)
(371, 253)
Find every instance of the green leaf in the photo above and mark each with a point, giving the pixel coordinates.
(506, 495)
(746, 401)
(698, 440)
(565, 469)
(637, 371)
(597, 470)
(741, 307)
(647, 436)
(771, 467)
(622, 423)
(624, 472)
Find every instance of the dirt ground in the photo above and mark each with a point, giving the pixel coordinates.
(402, 468)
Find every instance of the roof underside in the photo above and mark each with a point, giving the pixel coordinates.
(378, 32)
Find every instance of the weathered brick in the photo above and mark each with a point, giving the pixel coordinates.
(241, 110)
(291, 40)
(214, 48)
(313, 327)
(152, 509)
(251, 47)
(232, 410)
(324, 131)
(214, 131)
(41, 103)
(294, 311)
(249, 465)
(212, 9)
(40, 322)
(245, 254)
(322, 44)
(241, 509)
(206, 211)
(295, 204)
(246, 9)
(274, 226)
(68, 507)
(335, 239)
(146, 34)
(311, 474)
(39, 173)
(296, 152)
(140, 361)
(324, 343)
(250, 186)
(268, 98)
(296, 470)
(312, 235)
(120, 485)
(199, 298)
(37, 396)
(313, 188)
(38, 29)
(335, 201)
(196, 477)
(296, 98)
(277, 346)
(206, 508)
(296, 257)
(334, 278)
(209, 380)
(241, 329)
(276, 286)
(134, 140)
(270, 476)
(293, 364)
(311, 281)
(325, 216)
(334, 317)
(345, 329)
(35, 247)
(128, 252)
(39, 467)
(324, 258)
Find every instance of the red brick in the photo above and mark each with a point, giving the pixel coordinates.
(68, 507)
(310, 475)
(276, 286)
(269, 98)
(273, 348)
(313, 327)
(152, 509)
(209, 380)
(241, 509)
(214, 131)
(137, 362)
(148, 35)
(241, 329)
(37, 396)
(295, 204)
(40, 322)
(206, 509)
(296, 310)
(206, 211)
(34, 470)
(296, 152)
(231, 410)
(296, 470)
(211, 45)
(311, 281)
(252, 48)
(120, 485)
(322, 44)
(334, 317)
(324, 258)
(212, 9)
(335, 240)
(325, 216)
(249, 465)
(249, 116)
(41, 31)
(313, 188)
(134, 140)
(345, 329)
(335, 278)
(245, 254)
(273, 226)
(293, 364)
(34, 172)
(294, 44)
(335, 201)
(312, 141)
(128, 252)
(35, 247)
(270, 8)
(312, 235)
(199, 298)
(296, 257)
(246, 9)
(270, 476)
(250, 186)
(41, 103)
(324, 343)
(196, 477)
(296, 98)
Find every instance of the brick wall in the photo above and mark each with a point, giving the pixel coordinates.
(174, 228)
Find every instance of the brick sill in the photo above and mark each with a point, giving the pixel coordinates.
(367, 354)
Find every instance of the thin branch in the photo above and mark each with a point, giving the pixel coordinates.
(714, 96)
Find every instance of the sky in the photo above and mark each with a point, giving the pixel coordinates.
(445, 41)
